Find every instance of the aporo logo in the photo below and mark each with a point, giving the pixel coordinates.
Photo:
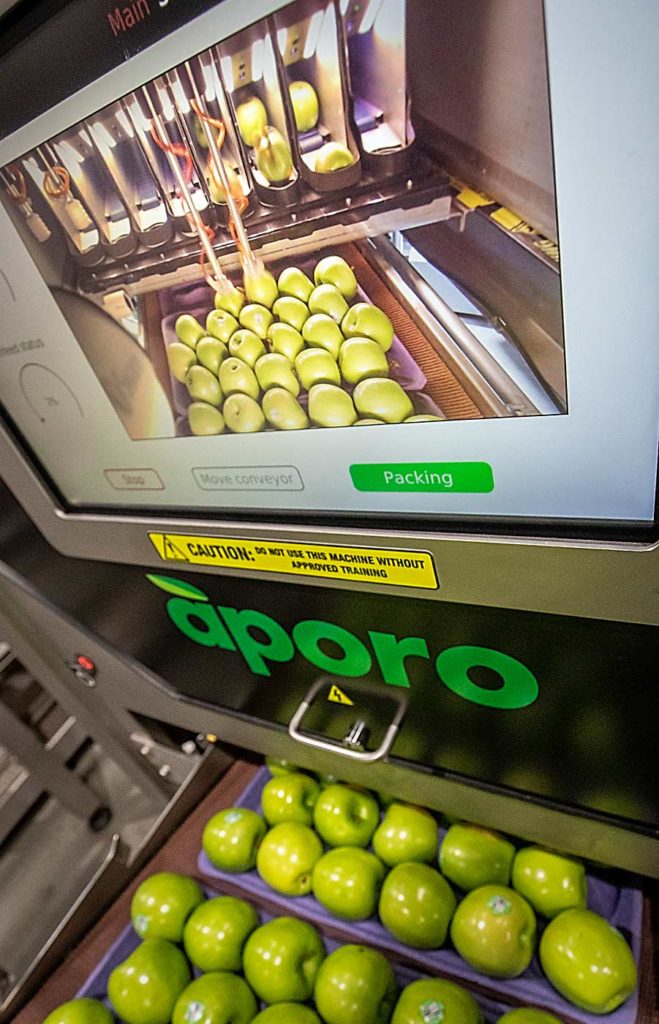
(262, 641)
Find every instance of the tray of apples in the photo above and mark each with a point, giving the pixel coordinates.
(288, 354)
(518, 922)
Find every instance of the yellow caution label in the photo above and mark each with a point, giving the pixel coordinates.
(511, 221)
(338, 696)
(473, 199)
(322, 561)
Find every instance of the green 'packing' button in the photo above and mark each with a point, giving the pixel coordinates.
(437, 477)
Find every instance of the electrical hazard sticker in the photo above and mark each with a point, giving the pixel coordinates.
(322, 561)
(338, 696)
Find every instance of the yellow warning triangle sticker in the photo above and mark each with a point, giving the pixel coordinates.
(338, 696)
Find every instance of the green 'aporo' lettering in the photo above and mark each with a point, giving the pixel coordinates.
(519, 686)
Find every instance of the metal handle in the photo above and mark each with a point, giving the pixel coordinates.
(365, 756)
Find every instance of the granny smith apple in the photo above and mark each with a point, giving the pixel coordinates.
(162, 903)
(290, 797)
(216, 998)
(180, 358)
(366, 321)
(471, 856)
(416, 905)
(210, 353)
(256, 318)
(284, 339)
(188, 329)
(346, 881)
(294, 282)
(422, 418)
(335, 270)
(252, 119)
(80, 1011)
(355, 985)
(144, 988)
(528, 1015)
(205, 420)
(551, 882)
(276, 371)
(230, 298)
(231, 838)
(588, 961)
(325, 298)
(360, 358)
(330, 406)
(220, 324)
(286, 858)
(237, 377)
(345, 816)
(321, 331)
(316, 366)
(406, 832)
(273, 156)
(283, 411)
(216, 188)
(382, 398)
(243, 415)
(368, 423)
(436, 1001)
(215, 933)
(493, 929)
(246, 345)
(203, 386)
(260, 287)
(280, 766)
(281, 960)
(287, 1013)
(291, 311)
(305, 105)
(332, 157)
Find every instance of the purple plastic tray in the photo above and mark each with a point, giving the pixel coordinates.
(622, 907)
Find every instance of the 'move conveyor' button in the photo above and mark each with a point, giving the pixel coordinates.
(248, 478)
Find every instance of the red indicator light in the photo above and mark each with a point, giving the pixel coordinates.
(86, 663)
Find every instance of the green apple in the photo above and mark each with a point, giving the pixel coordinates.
(252, 119)
(210, 353)
(188, 330)
(80, 1011)
(416, 905)
(256, 318)
(366, 321)
(471, 856)
(321, 331)
(316, 366)
(203, 386)
(283, 411)
(528, 1015)
(422, 418)
(230, 298)
(294, 282)
(216, 188)
(289, 797)
(550, 881)
(436, 1001)
(144, 988)
(345, 816)
(205, 420)
(330, 406)
(382, 398)
(247, 346)
(291, 311)
(285, 339)
(588, 961)
(260, 287)
(360, 358)
(331, 157)
(220, 324)
(305, 105)
(286, 858)
(368, 423)
(281, 960)
(406, 832)
(493, 929)
(276, 371)
(280, 766)
(162, 904)
(325, 298)
(231, 838)
(216, 998)
(355, 985)
(287, 1013)
(334, 270)
(346, 881)
(243, 415)
(236, 377)
(180, 358)
(273, 156)
(215, 933)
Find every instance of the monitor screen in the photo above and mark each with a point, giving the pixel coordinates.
(277, 265)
